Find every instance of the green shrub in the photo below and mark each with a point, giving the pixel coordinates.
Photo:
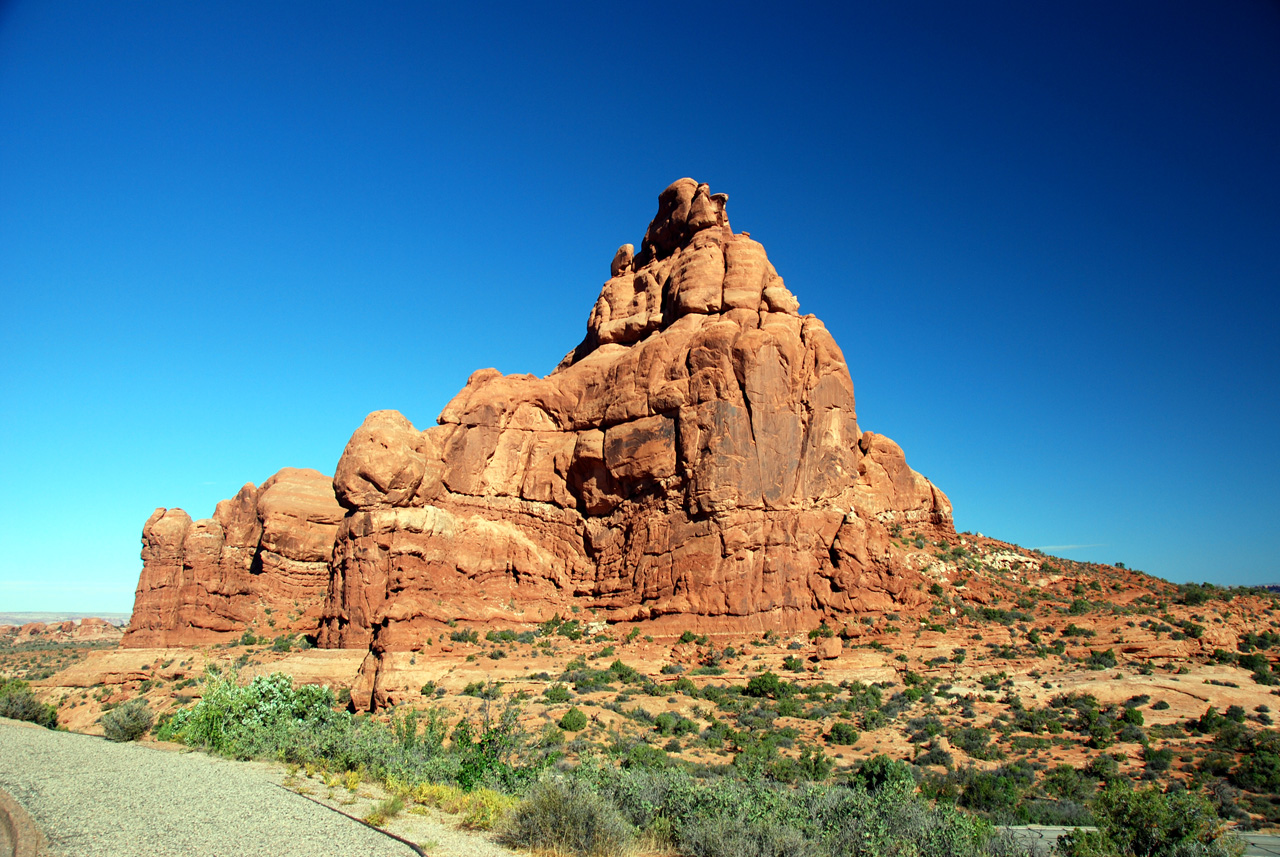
(1147, 823)
(733, 836)
(17, 702)
(567, 816)
(384, 811)
(466, 635)
(1101, 660)
(769, 685)
(127, 722)
(1157, 760)
(1066, 783)
(880, 771)
(842, 733)
(573, 720)
(990, 791)
(1259, 772)
(556, 693)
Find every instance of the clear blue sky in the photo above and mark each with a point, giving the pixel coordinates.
(1047, 237)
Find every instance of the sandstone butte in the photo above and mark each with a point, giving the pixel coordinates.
(263, 557)
(694, 463)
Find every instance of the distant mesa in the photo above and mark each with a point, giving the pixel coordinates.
(88, 629)
(694, 463)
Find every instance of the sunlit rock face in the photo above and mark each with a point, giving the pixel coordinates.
(694, 463)
(262, 558)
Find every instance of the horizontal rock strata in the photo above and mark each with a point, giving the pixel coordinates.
(695, 463)
(263, 557)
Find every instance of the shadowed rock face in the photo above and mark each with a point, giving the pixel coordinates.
(266, 549)
(695, 463)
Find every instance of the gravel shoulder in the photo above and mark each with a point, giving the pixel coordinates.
(93, 798)
(436, 832)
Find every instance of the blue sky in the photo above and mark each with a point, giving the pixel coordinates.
(1047, 239)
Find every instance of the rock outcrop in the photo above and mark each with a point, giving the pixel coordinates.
(263, 557)
(695, 463)
(87, 630)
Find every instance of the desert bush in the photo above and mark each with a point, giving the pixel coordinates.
(1147, 823)
(268, 717)
(127, 722)
(1054, 813)
(385, 810)
(880, 771)
(17, 702)
(481, 809)
(934, 754)
(671, 723)
(1066, 783)
(566, 815)
(556, 693)
(769, 685)
(1101, 660)
(573, 720)
(732, 836)
(990, 791)
(842, 733)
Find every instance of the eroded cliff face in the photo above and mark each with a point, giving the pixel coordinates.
(695, 463)
(262, 556)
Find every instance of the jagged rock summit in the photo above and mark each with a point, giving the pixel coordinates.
(694, 463)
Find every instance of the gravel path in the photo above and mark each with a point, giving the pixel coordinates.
(93, 798)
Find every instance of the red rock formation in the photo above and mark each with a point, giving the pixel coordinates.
(262, 556)
(695, 462)
(87, 630)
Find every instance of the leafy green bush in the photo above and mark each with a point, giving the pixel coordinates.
(556, 693)
(769, 685)
(127, 722)
(1066, 783)
(255, 720)
(17, 702)
(880, 772)
(842, 733)
(466, 635)
(723, 817)
(573, 720)
(1101, 660)
(567, 816)
(1147, 823)
(990, 791)
(734, 836)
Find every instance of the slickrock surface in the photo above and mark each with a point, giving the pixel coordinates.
(93, 798)
(264, 553)
(695, 462)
